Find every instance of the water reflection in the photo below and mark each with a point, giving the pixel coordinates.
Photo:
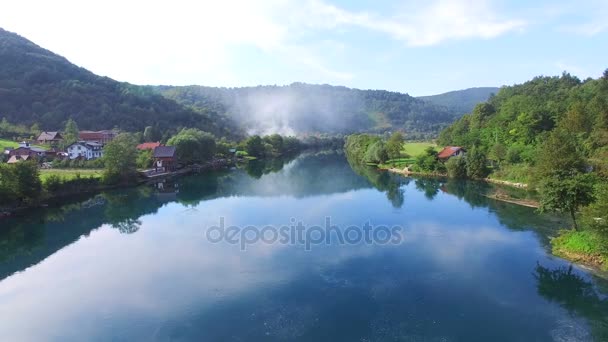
(576, 294)
(133, 265)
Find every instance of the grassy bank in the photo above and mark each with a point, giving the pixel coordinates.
(414, 149)
(586, 247)
(69, 174)
(7, 144)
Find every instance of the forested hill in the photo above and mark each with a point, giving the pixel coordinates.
(305, 108)
(545, 118)
(38, 86)
(461, 101)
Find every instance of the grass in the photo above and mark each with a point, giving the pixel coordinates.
(67, 174)
(414, 149)
(397, 163)
(586, 246)
(7, 143)
(13, 144)
(518, 173)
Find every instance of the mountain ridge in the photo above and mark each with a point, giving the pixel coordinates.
(38, 86)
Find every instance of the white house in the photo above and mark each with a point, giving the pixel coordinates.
(85, 150)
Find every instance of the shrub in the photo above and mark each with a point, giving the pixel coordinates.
(456, 167)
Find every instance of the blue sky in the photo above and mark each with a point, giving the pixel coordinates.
(415, 47)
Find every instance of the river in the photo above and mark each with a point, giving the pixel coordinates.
(309, 249)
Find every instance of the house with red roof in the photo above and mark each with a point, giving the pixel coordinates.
(148, 146)
(451, 151)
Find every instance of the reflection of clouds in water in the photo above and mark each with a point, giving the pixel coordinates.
(284, 321)
(453, 244)
(153, 275)
(385, 327)
(570, 329)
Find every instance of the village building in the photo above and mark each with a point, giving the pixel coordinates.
(164, 158)
(25, 149)
(19, 158)
(451, 151)
(102, 137)
(148, 146)
(49, 138)
(85, 150)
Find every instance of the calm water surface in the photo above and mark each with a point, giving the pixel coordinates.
(135, 265)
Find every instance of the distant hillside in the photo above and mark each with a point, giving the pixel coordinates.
(461, 101)
(38, 86)
(306, 108)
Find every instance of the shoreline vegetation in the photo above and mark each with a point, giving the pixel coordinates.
(548, 135)
(44, 179)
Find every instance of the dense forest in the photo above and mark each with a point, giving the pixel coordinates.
(304, 108)
(516, 127)
(40, 87)
(462, 101)
(552, 133)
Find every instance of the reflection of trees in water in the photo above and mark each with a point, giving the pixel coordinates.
(576, 295)
(259, 167)
(429, 186)
(123, 208)
(470, 191)
(20, 238)
(383, 181)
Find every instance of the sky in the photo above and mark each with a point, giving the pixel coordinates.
(415, 47)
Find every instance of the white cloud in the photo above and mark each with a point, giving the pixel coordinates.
(151, 42)
(595, 14)
(421, 25)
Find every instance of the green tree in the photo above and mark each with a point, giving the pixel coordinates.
(193, 145)
(595, 215)
(428, 162)
(476, 164)
(394, 145)
(456, 167)
(566, 194)
(70, 134)
(144, 159)
(254, 146)
(376, 153)
(120, 159)
(152, 134)
(559, 155)
(276, 143)
(20, 183)
(498, 153)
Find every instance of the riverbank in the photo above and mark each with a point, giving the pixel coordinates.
(498, 195)
(584, 247)
(74, 187)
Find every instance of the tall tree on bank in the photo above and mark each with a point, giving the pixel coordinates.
(394, 145)
(120, 157)
(564, 185)
(193, 145)
(70, 134)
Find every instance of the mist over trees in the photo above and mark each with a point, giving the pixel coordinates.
(305, 108)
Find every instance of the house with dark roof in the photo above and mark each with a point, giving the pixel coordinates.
(25, 149)
(49, 138)
(451, 151)
(102, 137)
(85, 150)
(164, 158)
